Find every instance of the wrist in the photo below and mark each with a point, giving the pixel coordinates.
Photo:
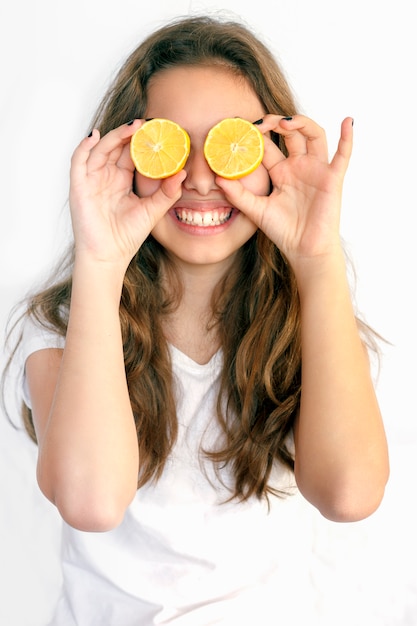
(94, 274)
(328, 268)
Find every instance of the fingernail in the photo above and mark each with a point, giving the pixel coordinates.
(258, 122)
(90, 134)
(130, 123)
(287, 119)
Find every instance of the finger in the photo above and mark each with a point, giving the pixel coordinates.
(243, 199)
(343, 153)
(168, 192)
(110, 147)
(125, 160)
(81, 155)
(272, 155)
(303, 136)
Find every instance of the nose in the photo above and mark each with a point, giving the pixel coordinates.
(200, 178)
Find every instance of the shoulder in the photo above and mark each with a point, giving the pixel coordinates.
(36, 337)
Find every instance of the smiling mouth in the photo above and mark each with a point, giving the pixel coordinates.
(206, 219)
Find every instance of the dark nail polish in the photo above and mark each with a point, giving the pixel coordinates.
(90, 134)
(149, 119)
(258, 122)
(130, 123)
(288, 119)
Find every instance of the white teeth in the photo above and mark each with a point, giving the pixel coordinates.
(208, 218)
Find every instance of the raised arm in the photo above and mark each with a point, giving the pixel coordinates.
(341, 458)
(88, 450)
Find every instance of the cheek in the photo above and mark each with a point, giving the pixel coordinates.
(144, 187)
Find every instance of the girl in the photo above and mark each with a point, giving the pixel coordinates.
(181, 379)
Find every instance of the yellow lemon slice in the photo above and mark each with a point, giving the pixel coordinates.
(159, 148)
(234, 148)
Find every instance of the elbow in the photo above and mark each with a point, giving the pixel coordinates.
(350, 506)
(351, 500)
(87, 509)
(88, 516)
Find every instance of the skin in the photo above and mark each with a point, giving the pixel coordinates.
(88, 453)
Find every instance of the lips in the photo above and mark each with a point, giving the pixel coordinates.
(215, 217)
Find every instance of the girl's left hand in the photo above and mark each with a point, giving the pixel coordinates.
(302, 213)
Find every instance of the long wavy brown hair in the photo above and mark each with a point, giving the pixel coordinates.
(255, 308)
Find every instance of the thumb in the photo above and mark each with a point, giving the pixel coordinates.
(243, 199)
(161, 201)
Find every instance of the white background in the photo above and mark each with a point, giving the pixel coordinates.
(342, 58)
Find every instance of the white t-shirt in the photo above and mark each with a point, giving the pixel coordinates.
(182, 556)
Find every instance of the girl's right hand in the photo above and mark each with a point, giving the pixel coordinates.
(110, 221)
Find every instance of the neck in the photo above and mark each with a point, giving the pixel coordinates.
(199, 283)
(189, 327)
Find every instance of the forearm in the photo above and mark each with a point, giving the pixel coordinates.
(341, 453)
(89, 453)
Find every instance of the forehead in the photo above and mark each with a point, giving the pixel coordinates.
(200, 96)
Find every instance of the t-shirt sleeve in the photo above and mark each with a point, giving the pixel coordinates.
(35, 337)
